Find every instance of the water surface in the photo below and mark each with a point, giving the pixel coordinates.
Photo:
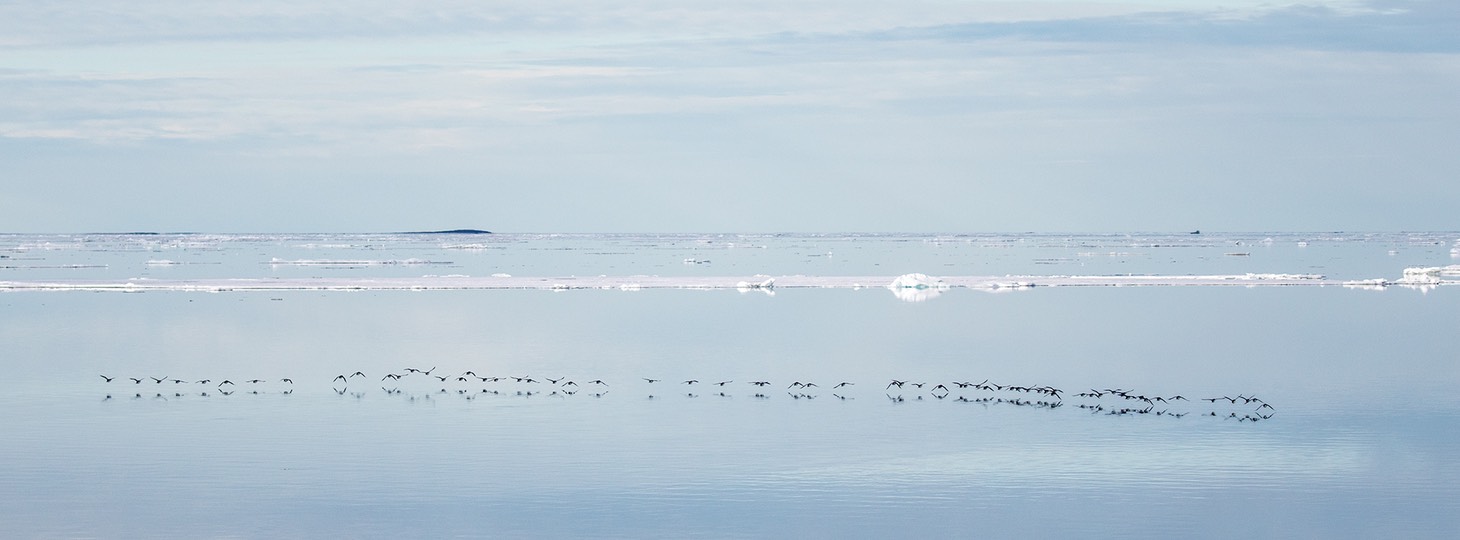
(1358, 441)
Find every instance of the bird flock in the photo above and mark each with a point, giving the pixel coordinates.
(408, 383)
(172, 387)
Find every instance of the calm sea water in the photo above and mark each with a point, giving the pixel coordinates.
(1357, 438)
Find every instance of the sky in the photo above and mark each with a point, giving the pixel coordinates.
(729, 116)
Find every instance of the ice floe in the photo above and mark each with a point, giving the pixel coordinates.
(351, 262)
(916, 281)
(768, 283)
(915, 287)
(1367, 284)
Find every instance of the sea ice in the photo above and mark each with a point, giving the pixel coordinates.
(916, 281)
(1413, 277)
(1367, 284)
(768, 283)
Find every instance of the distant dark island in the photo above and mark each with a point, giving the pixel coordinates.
(452, 231)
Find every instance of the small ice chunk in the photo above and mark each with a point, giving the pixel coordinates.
(768, 283)
(502, 275)
(916, 281)
(917, 287)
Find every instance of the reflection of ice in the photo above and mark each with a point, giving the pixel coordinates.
(1421, 287)
(1007, 286)
(767, 285)
(909, 294)
(917, 287)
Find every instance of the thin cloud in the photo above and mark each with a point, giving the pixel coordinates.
(1405, 27)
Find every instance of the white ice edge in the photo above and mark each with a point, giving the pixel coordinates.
(351, 262)
(640, 282)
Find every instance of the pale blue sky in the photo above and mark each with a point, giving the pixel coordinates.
(746, 116)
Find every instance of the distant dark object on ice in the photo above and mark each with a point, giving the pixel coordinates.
(1198, 231)
(452, 231)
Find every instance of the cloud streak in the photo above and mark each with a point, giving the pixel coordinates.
(1406, 27)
